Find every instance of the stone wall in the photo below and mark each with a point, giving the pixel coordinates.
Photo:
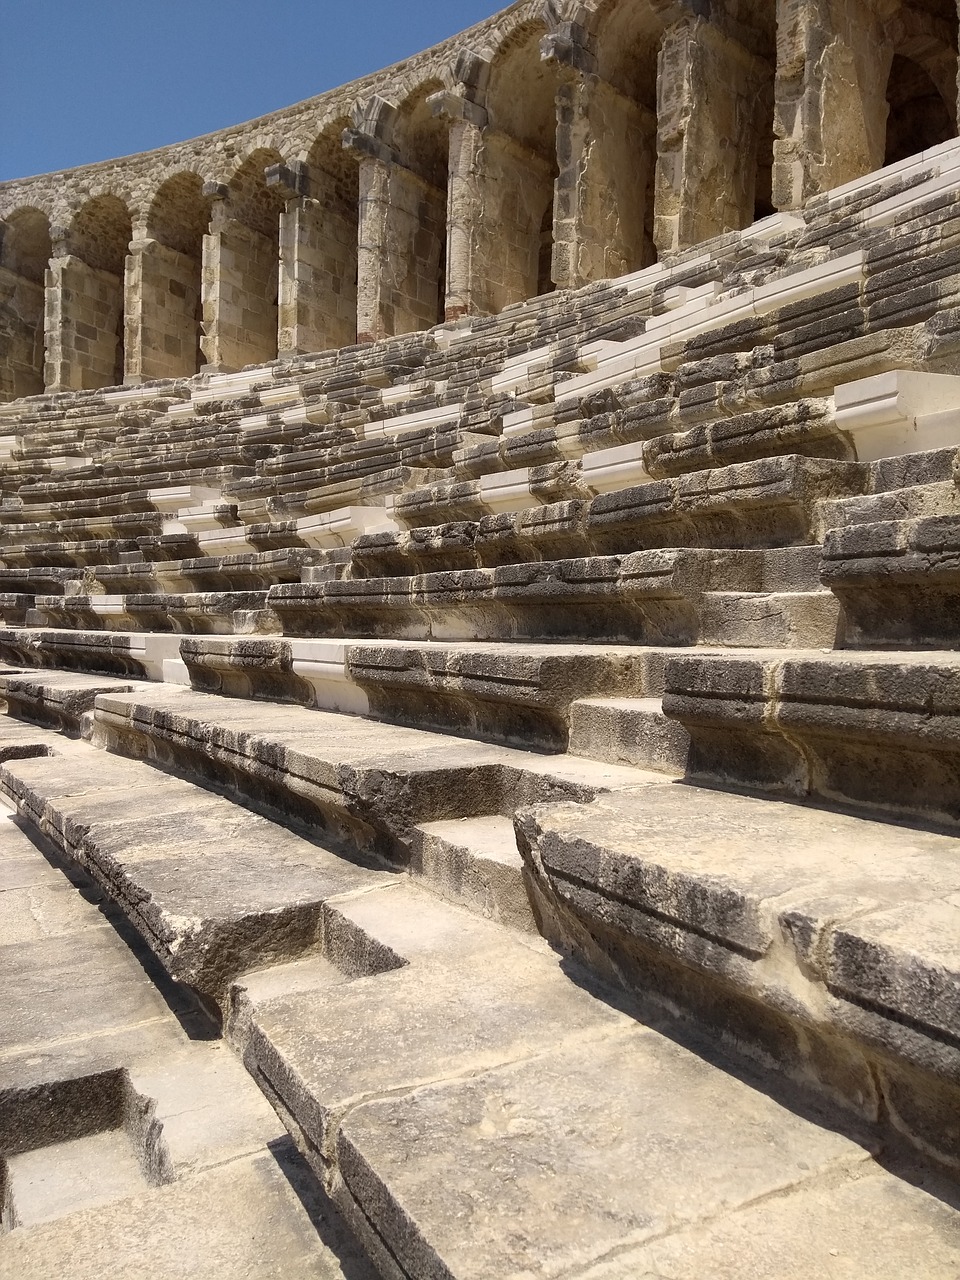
(553, 145)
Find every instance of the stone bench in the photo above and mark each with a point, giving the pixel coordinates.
(876, 731)
(647, 597)
(822, 940)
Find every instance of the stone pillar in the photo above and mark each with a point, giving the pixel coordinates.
(239, 290)
(400, 243)
(161, 311)
(606, 149)
(318, 266)
(499, 193)
(713, 96)
(83, 322)
(21, 336)
(831, 109)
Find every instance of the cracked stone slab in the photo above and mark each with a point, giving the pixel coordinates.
(234, 1222)
(554, 1169)
(861, 1222)
(836, 923)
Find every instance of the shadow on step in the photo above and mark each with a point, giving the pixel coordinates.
(322, 1212)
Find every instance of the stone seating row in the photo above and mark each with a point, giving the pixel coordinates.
(773, 502)
(856, 1004)
(329, 940)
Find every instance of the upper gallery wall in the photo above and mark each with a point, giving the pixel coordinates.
(550, 146)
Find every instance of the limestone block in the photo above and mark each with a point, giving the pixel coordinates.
(899, 412)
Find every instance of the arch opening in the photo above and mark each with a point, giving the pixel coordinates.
(24, 257)
(918, 117)
(318, 286)
(87, 318)
(519, 164)
(623, 138)
(421, 143)
(242, 262)
(168, 287)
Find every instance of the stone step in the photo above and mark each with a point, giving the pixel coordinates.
(824, 943)
(630, 731)
(135, 1141)
(645, 598)
(475, 862)
(572, 1140)
(212, 890)
(878, 731)
(897, 582)
(916, 502)
(356, 782)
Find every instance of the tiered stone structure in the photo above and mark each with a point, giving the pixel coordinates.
(480, 614)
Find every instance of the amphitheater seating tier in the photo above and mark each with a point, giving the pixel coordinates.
(533, 746)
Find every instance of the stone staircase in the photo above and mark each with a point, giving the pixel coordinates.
(530, 748)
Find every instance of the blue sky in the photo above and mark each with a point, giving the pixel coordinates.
(86, 80)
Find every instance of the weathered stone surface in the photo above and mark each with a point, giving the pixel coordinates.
(518, 514)
(768, 899)
(554, 1169)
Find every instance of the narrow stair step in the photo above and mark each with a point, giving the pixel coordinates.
(628, 731)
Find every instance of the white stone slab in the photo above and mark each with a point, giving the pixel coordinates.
(446, 415)
(899, 412)
(606, 470)
(773, 226)
(330, 529)
(507, 491)
(176, 498)
(217, 541)
(822, 278)
(323, 665)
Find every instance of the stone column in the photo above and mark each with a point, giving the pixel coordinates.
(83, 319)
(712, 100)
(831, 109)
(400, 243)
(465, 240)
(161, 311)
(239, 291)
(499, 193)
(318, 265)
(21, 335)
(606, 148)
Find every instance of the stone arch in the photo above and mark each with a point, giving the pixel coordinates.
(715, 122)
(421, 143)
(608, 135)
(100, 233)
(85, 315)
(921, 97)
(25, 250)
(166, 283)
(519, 160)
(242, 267)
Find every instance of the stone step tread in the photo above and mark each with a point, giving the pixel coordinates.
(375, 777)
(938, 498)
(557, 1175)
(212, 888)
(632, 731)
(200, 1225)
(831, 917)
(488, 1062)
